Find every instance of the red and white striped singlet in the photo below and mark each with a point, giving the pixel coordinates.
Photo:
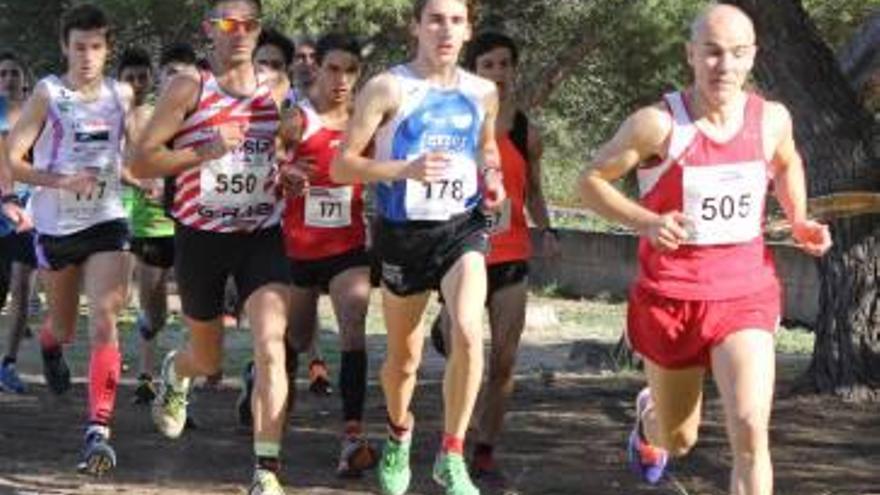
(237, 192)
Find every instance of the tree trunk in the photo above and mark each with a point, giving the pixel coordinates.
(860, 57)
(841, 146)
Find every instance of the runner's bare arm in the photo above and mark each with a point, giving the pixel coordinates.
(23, 136)
(9, 205)
(536, 204)
(151, 157)
(133, 122)
(790, 183)
(490, 157)
(376, 102)
(640, 137)
(5, 170)
(788, 167)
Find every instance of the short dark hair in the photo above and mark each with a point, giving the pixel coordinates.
(83, 17)
(212, 4)
(179, 52)
(486, 42)
(419, 8)
(306, 40)
(133, 57)
(337, 41)
(8, 56)
(274, 37)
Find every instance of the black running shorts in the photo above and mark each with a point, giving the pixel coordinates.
(205, 260)
(58, 252)
(318, 273)
(416, 255)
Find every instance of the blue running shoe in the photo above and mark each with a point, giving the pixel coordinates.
(98, 456)
(9, 379)
(644, 459)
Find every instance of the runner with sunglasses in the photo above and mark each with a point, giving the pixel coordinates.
(222, 127)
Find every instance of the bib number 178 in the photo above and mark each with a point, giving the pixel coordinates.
(444, 189)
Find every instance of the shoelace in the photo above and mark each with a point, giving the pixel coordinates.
(456, 471)
(174, 401)
(396, 457)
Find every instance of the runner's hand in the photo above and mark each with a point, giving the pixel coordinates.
(295, 176)
(668, 231)
(153, 189)
(495, 195)
(82, 182)
(430, 167)
(18, 216)
(227, 137)
(812, 237)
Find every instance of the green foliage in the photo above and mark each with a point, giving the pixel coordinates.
(638, 50)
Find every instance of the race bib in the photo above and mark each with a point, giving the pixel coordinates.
(724, 203)
(499, 221)
(79, 209)
(92, 145)
(328, 207)
(444, 198)
(238, 178)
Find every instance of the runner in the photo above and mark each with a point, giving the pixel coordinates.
(434, 129)
(273, 58)
(223, 126)
(304, 69)
(325, 237)
(76, 124)
(18, 263)
(152, 230)
(495, 56)
(707, 294)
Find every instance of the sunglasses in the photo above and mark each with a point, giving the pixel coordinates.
(272, 64)
(229, 25)
(10, 73)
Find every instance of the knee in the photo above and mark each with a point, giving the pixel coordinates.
(405, 365)
(749, 435)
(467, 336)
(680, 442)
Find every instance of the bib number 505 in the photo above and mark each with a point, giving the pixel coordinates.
(726, 207)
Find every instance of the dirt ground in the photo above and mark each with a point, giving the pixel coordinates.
(565, 434)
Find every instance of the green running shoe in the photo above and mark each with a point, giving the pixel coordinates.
(450, 472)
(394, 472)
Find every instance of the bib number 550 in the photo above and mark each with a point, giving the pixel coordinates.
(235, 183)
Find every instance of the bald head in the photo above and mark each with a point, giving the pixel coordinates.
(724, 19)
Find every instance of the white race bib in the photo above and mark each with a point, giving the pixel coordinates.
(329, 207)
(441, 200)
(724, 203)
(499, 221)
(238, 178)
(78, 210)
